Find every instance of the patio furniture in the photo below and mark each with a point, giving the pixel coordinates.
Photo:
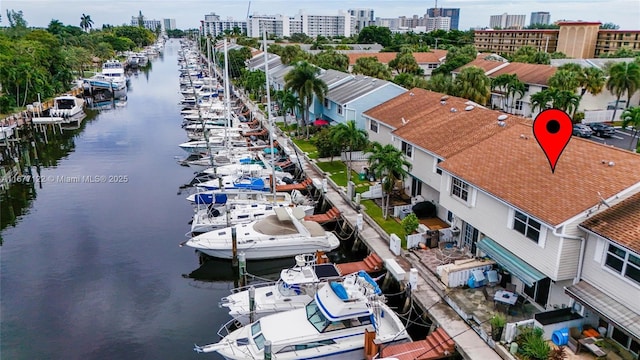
(492, 277)
(510, 287)
(505, 298)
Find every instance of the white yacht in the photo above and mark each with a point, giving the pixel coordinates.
(284, 234)
(295, 288)
(113, 71)
(332, 326)
(66, 106)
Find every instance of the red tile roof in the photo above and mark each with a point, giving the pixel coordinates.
(486, 65)
(528, 73)
(431, 125)
(512, 167)
(620, 223)
(433, 56)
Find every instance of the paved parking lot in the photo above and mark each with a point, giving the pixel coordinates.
(621, 139)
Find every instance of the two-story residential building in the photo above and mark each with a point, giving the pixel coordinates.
(354, 94)
(490, 179)
(609, 286)
(526, 217)
(430, 127)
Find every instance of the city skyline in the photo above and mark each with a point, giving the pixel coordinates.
(188, 13)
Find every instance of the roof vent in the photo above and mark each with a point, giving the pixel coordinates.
(442, 102)
(503, 117)
(522, 136)
(611, 163)
(469, 108)
(411, 94)
(502, 123)
(444, 98)
(404, 121)
(454, 110)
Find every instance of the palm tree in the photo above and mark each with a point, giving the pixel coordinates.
(564, 79)
(631, 117)
(290, 103)
(500, 84)
(388, 163)
(303, 80)
(473, 84)
(540, 100)
(565, 100)
(86, 23)
(623, 78)
(515, 87)
(591, 80)
(350, 138)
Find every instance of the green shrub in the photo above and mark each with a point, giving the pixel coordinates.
(325, 144)
(532, 344)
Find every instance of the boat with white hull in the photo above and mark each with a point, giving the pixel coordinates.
(113, 71)
(66, 106)
(294, 289)
(284, 234)
(213, 217)
(332, 326)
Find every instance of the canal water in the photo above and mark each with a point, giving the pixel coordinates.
(90, 263)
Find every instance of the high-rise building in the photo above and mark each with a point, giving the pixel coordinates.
(146, 23)
(213, 25)
(540, 17)
(437, 23)
(506, 21)
(342, 24)
(169, 24)
(453, 13)
(363, 18)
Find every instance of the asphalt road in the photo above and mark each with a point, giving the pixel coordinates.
(620, 139)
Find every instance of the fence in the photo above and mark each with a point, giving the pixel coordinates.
(355, 156)
(597, 116)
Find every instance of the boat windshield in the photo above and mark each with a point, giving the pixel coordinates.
(322, 324)
(256, 333)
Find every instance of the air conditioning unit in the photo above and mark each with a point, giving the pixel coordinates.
(422, 228)
(455, 231)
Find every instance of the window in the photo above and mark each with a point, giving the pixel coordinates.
(623, 262)
(340, 109)
(373, 126)
(518, 105)
(460, 189)
(438, 170)
(526, 226)
(327, 104)
(407, 149)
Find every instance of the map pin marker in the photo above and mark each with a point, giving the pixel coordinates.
(553, 129)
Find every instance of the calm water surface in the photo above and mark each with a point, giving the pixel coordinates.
(93, 270)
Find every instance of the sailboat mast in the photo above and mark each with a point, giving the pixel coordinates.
(269, 118)
(226, 93)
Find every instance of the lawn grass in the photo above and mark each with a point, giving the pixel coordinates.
(338, 171)
(390, 226)
(308, 147)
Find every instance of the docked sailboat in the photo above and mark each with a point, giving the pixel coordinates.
(281, 235)
(332, 326)
(294, 289)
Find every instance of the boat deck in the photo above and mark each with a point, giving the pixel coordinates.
(436, 345)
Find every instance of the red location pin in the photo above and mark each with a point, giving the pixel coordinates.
(552, 129)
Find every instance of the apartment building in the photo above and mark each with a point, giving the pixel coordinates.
(150, 24)
(312, 25)
(506, 21)
(576, 39)
(453, 13)
(169, 24)
(214, 26)
(540, 17)
(362, 18)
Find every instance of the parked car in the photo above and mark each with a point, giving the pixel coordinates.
(602, 130)
(582, 130)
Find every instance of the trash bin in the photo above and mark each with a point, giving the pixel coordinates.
(362, 176)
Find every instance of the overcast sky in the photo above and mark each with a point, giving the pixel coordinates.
(188, 13)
